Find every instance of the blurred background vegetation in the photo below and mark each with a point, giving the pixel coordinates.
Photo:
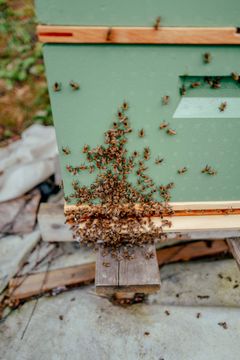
(23, 90)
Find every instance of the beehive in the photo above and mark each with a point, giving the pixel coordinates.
(196, 68)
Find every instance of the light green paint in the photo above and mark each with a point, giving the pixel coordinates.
(139, 12)
(108, 74)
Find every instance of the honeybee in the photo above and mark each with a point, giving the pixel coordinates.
(165, 99)
(141, 133)
(158, 160)
(74, 85)
(170, 185)
(135, 154)
(66, 150)
(209, 170)
(85, 149)
(57, 86)
(106, 264)
(216, 84)
(146, 153)
(163, 125)
(171, 132)
(183, 90)
(156, 24)
(120, 115)
(207, 58)
(222, 106)
(206, 169)
(195, 84)
(182, 170)
(125, 106)
(235, 76)
(109, 34)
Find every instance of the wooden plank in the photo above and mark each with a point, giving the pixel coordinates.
(234, 246)
(51, 221)
(191, 251)
(138, 35)
(107, 269)
(182, 206)
(193, 223)
(52, 225)
(140, 274)
(201, 223)
(35, 284)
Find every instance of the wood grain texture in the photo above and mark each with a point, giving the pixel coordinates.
(191, 251)
(137, 35)
(234, 246)
(140, 274)
(25, 287)
(107, 272)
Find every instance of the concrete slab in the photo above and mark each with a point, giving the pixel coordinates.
(208, 283)
(80, 325)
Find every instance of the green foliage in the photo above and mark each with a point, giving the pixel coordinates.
(21, 60)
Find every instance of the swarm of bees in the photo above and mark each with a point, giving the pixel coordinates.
(112, 212)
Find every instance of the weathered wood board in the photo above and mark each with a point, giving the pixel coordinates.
(138, 275)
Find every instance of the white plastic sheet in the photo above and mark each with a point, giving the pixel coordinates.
(27, 162)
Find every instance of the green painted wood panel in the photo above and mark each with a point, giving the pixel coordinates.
(142, 74)
(139, 12)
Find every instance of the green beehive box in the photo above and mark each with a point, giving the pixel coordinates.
(203, 105)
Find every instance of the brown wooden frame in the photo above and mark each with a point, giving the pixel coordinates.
(138, 35)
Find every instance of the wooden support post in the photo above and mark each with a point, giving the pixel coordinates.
(126, 277)
(234, 246)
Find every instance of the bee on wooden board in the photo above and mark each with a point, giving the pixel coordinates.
(109, 34)
(171, 132)
(165, 99)
(157, 22)
(74, 85)
(141, 133)
(163, 125)
(106, 264)
(222, 106)
(57, 86)
(207, 58)
(66, 150)
(182, 170)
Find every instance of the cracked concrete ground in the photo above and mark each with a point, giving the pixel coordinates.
(80, 325)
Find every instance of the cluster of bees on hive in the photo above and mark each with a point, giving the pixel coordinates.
(112, 212)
